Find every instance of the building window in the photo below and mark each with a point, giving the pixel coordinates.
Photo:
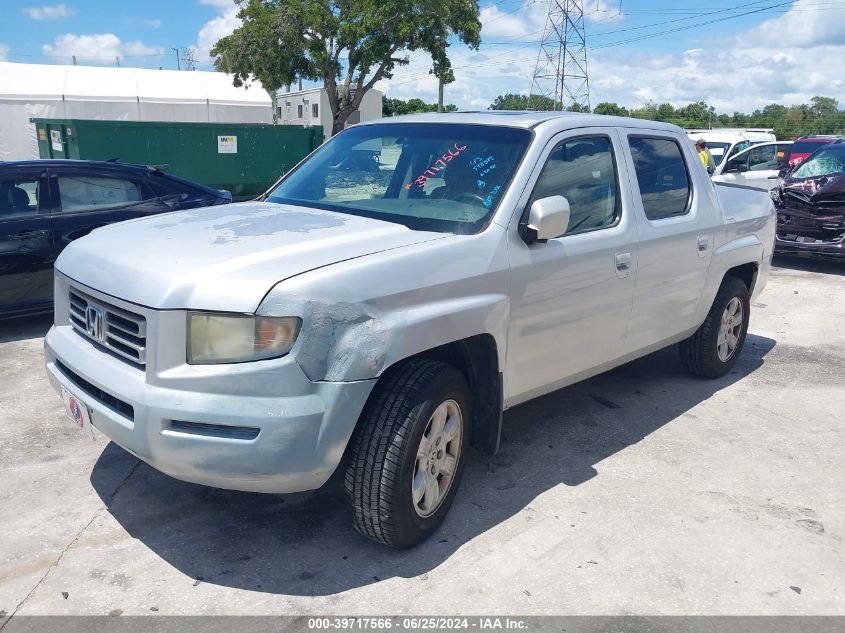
(315, 111)
(299, 111)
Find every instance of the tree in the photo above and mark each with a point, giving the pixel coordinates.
(824, 111)
(821, 106)
(512, 101)
(665, 112)
(577, 107)
(395, 107)
(611, 109)
(348, 44)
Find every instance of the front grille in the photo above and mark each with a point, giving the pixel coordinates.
(121, 332)
(115, 404)
(785, 220)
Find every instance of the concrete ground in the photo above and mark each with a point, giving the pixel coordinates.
(641, 491)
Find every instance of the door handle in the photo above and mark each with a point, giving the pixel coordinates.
(28, 235)
(773, 177)
(703, 243)
(623, 264)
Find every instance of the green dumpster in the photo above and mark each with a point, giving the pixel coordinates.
(244, 158)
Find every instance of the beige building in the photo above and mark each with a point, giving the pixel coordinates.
(311, 107)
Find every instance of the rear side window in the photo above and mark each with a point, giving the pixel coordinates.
(83, 193)
(582, 170)
(662, 176)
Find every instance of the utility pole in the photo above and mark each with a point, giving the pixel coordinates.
(117, 59)
(178, 61)
(74, 59)
(561, 70)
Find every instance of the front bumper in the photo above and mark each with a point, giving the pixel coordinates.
(834, 249)
(811, 230)
(261, 427)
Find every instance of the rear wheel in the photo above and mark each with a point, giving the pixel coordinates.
(408, 453)
(714, 348)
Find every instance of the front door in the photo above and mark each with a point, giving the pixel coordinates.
(571, 296)
(756, 167)
(26, 257)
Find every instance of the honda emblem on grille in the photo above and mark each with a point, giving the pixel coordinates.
(94, 322)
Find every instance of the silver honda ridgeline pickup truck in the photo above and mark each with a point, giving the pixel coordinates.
(387, 299)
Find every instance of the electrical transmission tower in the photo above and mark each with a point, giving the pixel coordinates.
(189, 58)
(561, 72)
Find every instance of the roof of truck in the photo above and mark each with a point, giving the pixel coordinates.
(526, 119)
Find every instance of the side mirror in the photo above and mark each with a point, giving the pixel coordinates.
(548, 218)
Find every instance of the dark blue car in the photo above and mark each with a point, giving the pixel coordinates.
(46, 204)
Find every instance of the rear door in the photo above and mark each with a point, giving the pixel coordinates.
(87, 199)
(677, 225)
(26, 256)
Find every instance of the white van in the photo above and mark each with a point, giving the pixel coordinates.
(721, 144)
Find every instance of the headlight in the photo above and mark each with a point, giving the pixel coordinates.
(226, 338)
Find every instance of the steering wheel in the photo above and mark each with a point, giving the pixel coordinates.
(469, 196)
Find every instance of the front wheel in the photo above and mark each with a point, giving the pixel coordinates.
(408, 453)
(714, 348)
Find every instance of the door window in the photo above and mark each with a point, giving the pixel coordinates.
(87, 193)
(18, 197)
(738, 163)
(661, 175)
(582, 170)
(761, 158)
(742, 145)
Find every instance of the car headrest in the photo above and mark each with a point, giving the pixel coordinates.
(19, 199)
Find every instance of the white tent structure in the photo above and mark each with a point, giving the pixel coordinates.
(117, 94)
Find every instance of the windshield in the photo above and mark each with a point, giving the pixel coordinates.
(428, 176)
(825, 162)
(717, 150)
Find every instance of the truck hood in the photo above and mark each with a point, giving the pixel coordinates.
(223, 258)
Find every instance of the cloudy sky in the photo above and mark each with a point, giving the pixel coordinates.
(736, 55)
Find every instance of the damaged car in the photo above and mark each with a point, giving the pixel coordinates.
(377, 322)
(810, 205)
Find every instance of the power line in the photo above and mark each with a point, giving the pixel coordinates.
(691, 17)
(687, 27)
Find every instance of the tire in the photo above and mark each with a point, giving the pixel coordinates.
(708, 352)
(384, 460)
